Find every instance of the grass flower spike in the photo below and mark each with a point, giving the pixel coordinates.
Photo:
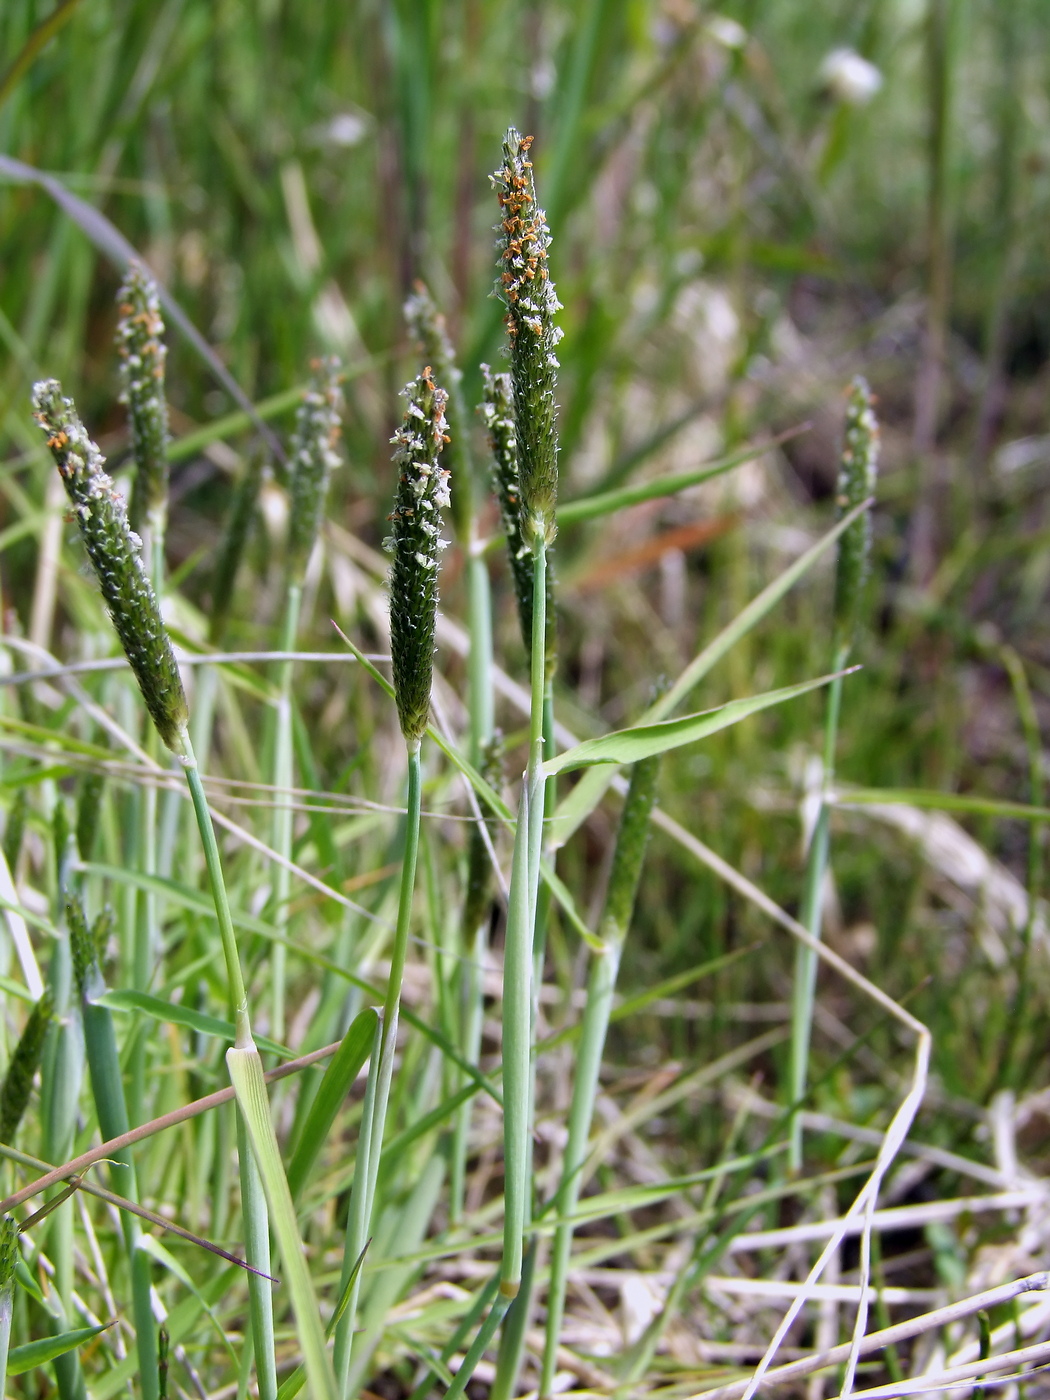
(497, 413)
(314, 458)
(525, 286)
(856, 483)
(415, 542)
(113, 549)
(142, 352)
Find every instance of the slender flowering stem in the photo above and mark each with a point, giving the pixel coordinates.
(525, 286)
(601, 986)
(313, 459)
(855, 486)
(415, 544)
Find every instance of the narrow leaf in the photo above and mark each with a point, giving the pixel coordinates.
(342, 1070)
(24, 1358)
(941, 801)
(246, 1074)
(176, 1015)
(645, 740)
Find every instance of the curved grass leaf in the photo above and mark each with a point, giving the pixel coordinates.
(246, 1075)
(342, 1070)
(942, 802)
(24, 1358)
(185, 1016)
(646, 740)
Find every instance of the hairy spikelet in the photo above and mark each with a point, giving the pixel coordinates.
(525, 287)
(856, 483)
(114, 553)
(497, 413)
(415, 543)
(427, 327)
(18, 1081)
(314, 458)
(142, 352)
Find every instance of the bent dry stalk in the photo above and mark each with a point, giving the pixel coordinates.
(132, 605)
(415, 544)
(856, 482)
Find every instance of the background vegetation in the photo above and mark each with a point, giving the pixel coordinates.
(736, 234)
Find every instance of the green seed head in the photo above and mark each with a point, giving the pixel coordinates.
(314, 458)
(415, 543)
(525, 287)
(497, 413)
(15, 828)
(114, 553)
(856, 484)
(83, 945)
(142, 352)
(89, 805)
(427, 327)
(18, 1081)
(8, 1255)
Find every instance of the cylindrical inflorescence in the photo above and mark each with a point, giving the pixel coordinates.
(142, 352)
(856, 484)
(113, 549)
(415, 543)
(18, 1081)
(497, 413)
(314, 458)
(525, 287)
(428, 329)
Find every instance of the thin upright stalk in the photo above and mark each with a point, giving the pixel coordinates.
(601, 985)
(370, 1146)
(805, 984)
(281, 838)
(253, 1197)
(518, 957)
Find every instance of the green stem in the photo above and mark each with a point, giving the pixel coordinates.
(805, 983)
(366, 1175)
(6, 1308)
(107, 1087)
(518, 957)
(257, 1252)
(238, 995)
(479, 602)
(281, 838)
